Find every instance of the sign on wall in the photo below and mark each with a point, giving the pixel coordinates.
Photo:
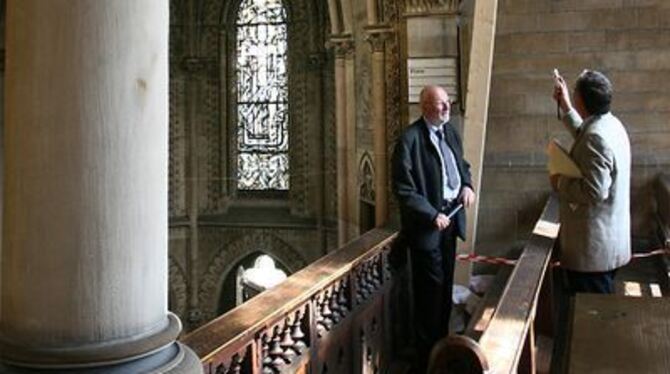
(442, 71)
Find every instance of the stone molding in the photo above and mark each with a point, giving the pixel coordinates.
(343, 45)
(377, 37)
(421, 7)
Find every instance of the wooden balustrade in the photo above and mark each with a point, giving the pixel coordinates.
(349, 313)
(506, 342)
(334, 316)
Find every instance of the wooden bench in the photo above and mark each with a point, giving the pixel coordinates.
(618, 334)
(502, 337)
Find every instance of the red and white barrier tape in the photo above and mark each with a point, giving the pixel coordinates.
(506, 261)
(486, 259)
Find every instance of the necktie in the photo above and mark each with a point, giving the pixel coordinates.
(449, 162)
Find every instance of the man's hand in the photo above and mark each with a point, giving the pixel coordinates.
(467, 196)
(562, 94)
(441, 221)
(553, 179)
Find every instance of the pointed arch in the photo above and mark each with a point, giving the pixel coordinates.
(231, 254)
(366, 178)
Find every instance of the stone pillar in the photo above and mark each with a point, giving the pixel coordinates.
(353, 192)
(343, 47)
(476, 114)
(377, 37)
(85, 257)
(372, 13)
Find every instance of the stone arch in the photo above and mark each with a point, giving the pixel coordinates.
(178, 289)
(232, 253)
(366, 178)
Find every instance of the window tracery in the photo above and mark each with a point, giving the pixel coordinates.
(262, 96)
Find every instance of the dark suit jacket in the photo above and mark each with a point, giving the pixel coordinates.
(417, 183)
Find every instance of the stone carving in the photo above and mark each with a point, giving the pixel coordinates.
(177, 155)
(343, 46)
(423, 6)
(377, 38)
(394, 116)
(178, 288)
(366, 179)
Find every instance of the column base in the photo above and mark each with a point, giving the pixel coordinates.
(173, 359)
(156, 347)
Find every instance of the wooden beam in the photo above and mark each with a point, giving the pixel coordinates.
(476, 113)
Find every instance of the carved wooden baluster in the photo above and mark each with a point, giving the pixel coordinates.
(387, 264)
(235, 364)
(220, 369)
(370, 276)
(365, 281)
(359, 285)
(376, 271)
(334, 305)
(327, 313)
(320, 324)
(342, 297)
(297, 334)
(276, 352)
(287, 342)
(267, 360)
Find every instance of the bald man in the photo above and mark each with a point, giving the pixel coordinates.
(430, 178)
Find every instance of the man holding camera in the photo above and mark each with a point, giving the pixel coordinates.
(594, 209)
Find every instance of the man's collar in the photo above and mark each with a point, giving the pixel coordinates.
(432, 127)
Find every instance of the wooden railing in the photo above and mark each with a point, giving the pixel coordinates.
(334, 316)
(505, 337)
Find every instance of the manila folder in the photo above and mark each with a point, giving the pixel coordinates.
(560, 161)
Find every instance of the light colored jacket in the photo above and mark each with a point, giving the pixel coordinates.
(595, 209)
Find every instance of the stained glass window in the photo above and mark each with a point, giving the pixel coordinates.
(262, 96)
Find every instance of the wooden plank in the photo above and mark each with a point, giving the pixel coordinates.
(241, 323)
(482, 316)
(613, 333)
(476, 113)
(504, 339)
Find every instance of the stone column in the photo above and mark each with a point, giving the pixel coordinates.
(371, 7)
(343, 46)
(85, 257)
(377, 36)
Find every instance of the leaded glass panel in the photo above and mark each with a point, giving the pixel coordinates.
(262, 96)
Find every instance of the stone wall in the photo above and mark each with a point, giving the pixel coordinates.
(212, 227)
(627, 40)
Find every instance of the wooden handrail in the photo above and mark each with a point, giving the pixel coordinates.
(501, 345)
(504, 339)
(344, 280)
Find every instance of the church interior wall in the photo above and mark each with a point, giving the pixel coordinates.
(207, 214)
(626, 40)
